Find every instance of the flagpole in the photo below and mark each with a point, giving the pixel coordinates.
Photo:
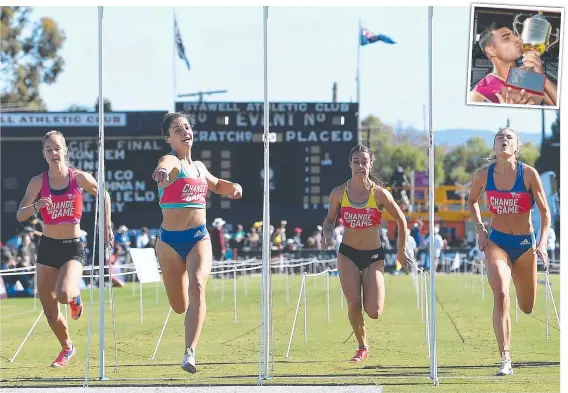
(431, 202)
(101, 202)
(266, 274)
(174, 58)
(358, 80)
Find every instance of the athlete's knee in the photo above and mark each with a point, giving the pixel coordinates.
(64, 296)
(501, 298)
(354, 304)
(197, 290)
(374, 312)
(51, 315)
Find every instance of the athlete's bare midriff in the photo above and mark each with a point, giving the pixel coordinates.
(513, 224)
(62, 231)
(180, 219)
(362, 239)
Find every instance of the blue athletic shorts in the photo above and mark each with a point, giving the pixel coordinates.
(514, 245)
(183, 241)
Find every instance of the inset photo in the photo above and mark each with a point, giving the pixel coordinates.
(515, 56)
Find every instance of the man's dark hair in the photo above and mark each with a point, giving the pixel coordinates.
(487, 34)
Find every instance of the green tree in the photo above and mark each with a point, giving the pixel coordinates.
(529, 154)
(107, 105)
(439, 170)
(549, 159)
(377, 136)
(78, 108)
(462, 161)
(30, 56)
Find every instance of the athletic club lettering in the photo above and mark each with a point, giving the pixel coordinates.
(193, 192)
(62, 209)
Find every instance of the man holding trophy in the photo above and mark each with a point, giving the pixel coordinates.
(507, 83)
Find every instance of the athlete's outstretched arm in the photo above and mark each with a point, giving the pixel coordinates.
(88, 183)
(332, 213)
(477, 185)
(543, 208)
(220, 186)
(384, 197)
(27, 207)
(166, 164)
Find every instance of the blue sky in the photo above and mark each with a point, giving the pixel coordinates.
(309, 49)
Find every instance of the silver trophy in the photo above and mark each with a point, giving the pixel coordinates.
(535, 36)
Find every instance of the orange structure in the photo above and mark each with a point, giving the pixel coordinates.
(451, 208)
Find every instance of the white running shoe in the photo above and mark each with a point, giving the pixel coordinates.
(188, 362)
(506, 367)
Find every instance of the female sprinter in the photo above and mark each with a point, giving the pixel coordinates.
(361, 259)
(512, 188)
(184, 247)
(59, 266)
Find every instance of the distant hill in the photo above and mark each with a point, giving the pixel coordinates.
(455, 137)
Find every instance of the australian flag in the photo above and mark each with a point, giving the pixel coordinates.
(366, 37)
(179, 44)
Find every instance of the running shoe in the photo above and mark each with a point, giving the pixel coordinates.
(188, 362)
(360, 355)
(64, 356)
(76, 306)
(506, 367)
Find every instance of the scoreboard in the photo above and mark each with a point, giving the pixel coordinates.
(307, 160)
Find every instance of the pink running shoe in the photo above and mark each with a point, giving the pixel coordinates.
(360, 355)
(64, 356)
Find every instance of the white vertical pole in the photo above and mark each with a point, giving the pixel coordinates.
(265, 358)
(133, 282)
(101, 196)
(546, 284)
(433, 351)
(222, 289)
(287, 286)
(305, 312)
(327, 294)
(174, 93)
(141, 306)
(421, 283)
(358, 80)
(235, 292)
(35, 289)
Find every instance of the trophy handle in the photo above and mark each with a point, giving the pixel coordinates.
(515, 23)
(557, 35)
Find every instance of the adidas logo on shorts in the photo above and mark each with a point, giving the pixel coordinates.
(375, 256)
(198, 233)
(525, 242)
